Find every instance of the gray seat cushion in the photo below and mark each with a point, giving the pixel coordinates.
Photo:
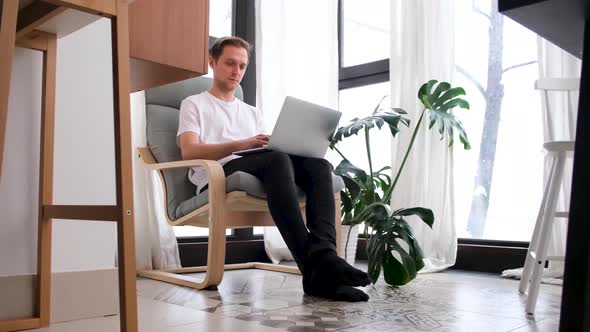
(240, 181)
(162, 108)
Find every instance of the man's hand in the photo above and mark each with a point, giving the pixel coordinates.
(257, 141)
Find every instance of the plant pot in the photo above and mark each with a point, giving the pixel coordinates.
(352, 234)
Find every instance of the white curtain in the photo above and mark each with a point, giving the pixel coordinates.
(156, 246)
(556, 63)
(296, 55)
(422, 48)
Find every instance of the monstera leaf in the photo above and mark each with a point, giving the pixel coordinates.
(439, 103)
(393, 247)
(438, 100)
(379, 117)
(356, 196)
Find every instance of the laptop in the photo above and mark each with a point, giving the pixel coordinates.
(302, 129)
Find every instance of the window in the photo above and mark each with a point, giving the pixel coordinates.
(220, 18)
(363, 46)
(365, 28)
(506, 148)
(360, 102)
(364, 36)
(516, 187)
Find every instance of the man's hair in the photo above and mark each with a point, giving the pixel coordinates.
(217, 47)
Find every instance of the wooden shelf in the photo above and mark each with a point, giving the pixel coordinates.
(168, 41)
(49, 17)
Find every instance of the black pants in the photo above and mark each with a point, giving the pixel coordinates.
(280, 173)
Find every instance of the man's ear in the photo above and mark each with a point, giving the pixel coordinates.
(212, 62)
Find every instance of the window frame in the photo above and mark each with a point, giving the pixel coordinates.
(362, 74)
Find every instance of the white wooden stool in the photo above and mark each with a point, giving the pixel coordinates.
(558, 152)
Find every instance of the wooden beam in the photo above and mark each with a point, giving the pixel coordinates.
(99, 7)
(46, 179)
(34, 15)
(35, 40)
(82, 212)
(124, 168)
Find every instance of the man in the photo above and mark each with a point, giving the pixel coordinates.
(214, 124)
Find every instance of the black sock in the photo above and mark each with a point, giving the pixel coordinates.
(316, 285)
(330, 266)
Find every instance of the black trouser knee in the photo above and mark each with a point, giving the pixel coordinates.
(280, 174)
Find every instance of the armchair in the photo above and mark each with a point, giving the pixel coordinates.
(236, 201)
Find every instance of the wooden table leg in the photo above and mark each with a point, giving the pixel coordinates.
(7, 39)
(46, 179)
(123, 169)
(46, 43)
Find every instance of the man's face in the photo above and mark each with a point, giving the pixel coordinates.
(230, 67)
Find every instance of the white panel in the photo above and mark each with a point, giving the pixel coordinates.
(20, 172)
(84, 170)
(74, 295)
(67, 22)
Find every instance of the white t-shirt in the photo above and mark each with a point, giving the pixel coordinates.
(216, 121)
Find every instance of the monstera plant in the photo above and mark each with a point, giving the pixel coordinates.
(392, 246)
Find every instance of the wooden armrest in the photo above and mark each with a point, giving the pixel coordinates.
(150, 162)
(214, 170)
(184, 164)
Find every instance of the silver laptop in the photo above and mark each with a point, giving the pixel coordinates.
(302, 129)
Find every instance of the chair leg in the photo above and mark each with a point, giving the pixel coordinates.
(215, 256)
(215, 259)
(529, 262)
(545, 235)
(216, 253)
(213, 271)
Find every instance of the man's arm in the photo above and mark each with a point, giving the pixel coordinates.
(191, 146)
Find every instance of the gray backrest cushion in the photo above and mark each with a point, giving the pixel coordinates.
(162, 108)
(172, 95)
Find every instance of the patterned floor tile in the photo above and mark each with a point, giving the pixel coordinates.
(448, 301)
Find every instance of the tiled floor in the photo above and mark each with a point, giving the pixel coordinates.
(256, 300)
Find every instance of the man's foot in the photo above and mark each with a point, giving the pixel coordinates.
(315, 285)
(331, 266)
